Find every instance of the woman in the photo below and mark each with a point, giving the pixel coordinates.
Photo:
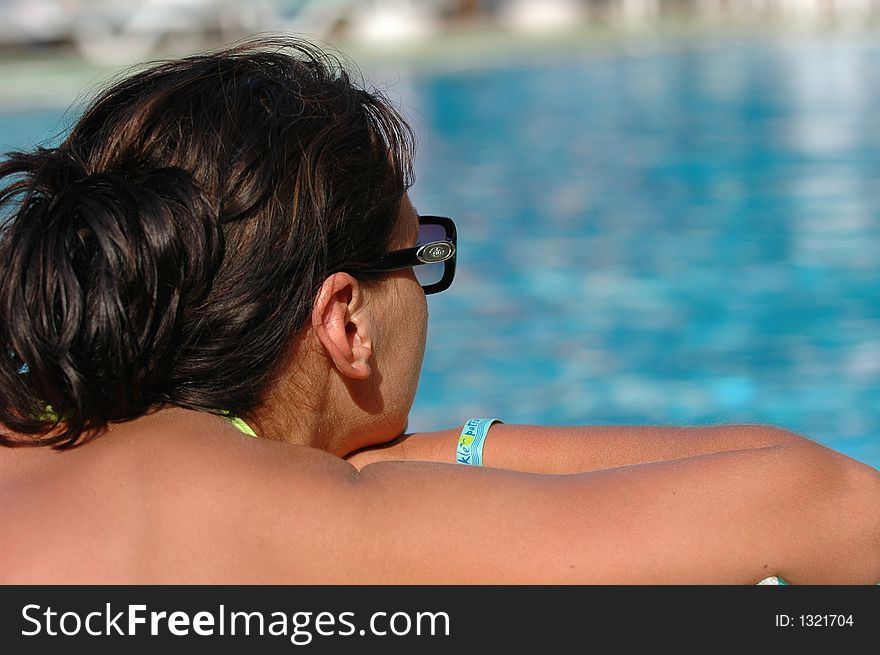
(213, 314)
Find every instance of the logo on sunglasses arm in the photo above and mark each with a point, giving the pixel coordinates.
(433, 253)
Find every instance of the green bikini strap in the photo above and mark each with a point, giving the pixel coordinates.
(240, 424)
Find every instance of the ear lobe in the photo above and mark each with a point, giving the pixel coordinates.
(345, 340)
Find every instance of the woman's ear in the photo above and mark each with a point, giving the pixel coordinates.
(345, 339)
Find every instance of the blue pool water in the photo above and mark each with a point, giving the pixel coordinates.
(680, 233)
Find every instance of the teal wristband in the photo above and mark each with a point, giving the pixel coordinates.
(470, 442)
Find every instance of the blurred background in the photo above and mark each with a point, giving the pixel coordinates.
(669, 210)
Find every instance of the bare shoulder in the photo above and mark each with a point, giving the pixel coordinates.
(180, 498)
(227, 508)
(192, 502)
(264, 512)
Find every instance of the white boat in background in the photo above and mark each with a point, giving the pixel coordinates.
(373, 22)
(389, 22)
(34, 22)
(539, 16)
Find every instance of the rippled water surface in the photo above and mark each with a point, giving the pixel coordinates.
(680, 233)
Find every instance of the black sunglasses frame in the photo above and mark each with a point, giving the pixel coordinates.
(436, 252)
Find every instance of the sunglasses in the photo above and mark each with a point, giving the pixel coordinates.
(433, 257)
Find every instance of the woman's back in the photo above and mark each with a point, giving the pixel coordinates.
(163, 498)
(183, 497)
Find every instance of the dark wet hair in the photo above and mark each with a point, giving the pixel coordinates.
(169, 249)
